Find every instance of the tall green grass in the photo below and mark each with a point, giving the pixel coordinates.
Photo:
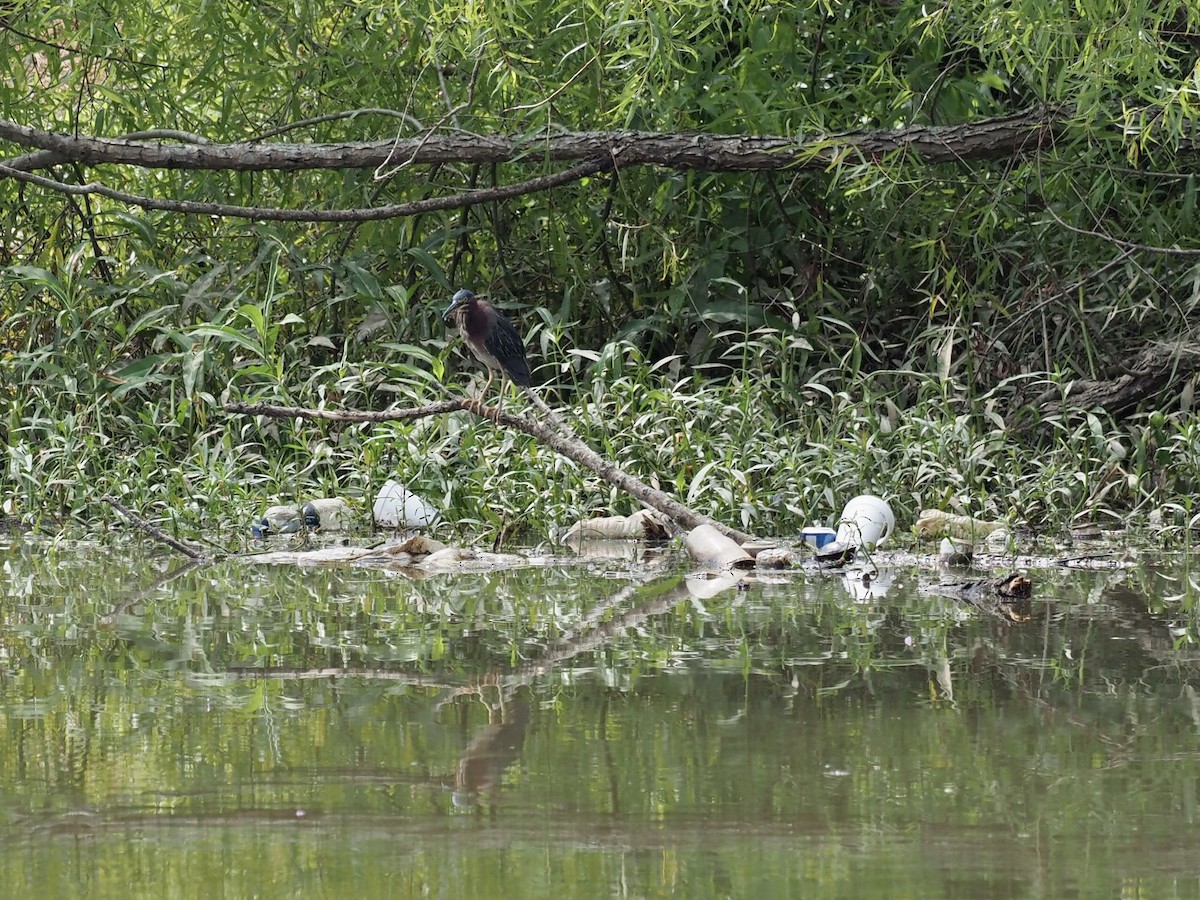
(121, 391)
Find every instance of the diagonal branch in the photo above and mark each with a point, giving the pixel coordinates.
(570, 447)
(153, 530)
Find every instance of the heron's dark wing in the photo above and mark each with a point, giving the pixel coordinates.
(504, 345)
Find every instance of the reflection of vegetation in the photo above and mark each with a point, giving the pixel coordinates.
(786, 705)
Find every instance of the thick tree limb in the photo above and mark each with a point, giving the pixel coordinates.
(1158, 368)
(573, 449)
(988, 139)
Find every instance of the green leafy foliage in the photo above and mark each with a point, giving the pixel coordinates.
(762, 344)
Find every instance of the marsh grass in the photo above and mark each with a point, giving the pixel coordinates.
(774, 432)
(763, 345)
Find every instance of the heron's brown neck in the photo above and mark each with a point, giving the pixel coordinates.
(473, 320)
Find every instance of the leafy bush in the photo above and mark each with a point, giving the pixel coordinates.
(762, 344)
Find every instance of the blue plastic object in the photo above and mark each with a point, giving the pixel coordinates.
(817, 536)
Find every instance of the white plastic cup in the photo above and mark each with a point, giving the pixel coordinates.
(867, 521)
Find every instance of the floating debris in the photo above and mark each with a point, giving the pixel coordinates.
(645, 524)
(714, 550)
(398, 507)
(933, 523)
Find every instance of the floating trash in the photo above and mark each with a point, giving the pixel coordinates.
(714, 550)
(933, 523)
(647, 524)
(398, 507)
(817, 536)
(867, 521)
(322, 514)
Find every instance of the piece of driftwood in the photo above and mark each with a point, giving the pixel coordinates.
(1160, 367)
(1007, 598)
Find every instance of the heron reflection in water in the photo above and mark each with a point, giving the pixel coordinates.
(492, 750)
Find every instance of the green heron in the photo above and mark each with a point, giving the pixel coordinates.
(491, 337)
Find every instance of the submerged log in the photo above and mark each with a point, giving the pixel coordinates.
(1007, 598)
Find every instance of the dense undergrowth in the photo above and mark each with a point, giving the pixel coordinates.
(763, 344)
(772, 435)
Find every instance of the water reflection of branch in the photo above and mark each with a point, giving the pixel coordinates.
(600, 610)
(568, 648)
(555, 656)
(149, 590)
(497, 745)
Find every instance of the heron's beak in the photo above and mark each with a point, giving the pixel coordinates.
(447, 316)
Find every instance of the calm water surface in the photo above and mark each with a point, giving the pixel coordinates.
(595, 728)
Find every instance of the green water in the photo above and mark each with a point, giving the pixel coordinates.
(587, 729)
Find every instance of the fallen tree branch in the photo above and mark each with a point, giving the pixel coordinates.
(552, 437)
(995, 138)
(153, 530)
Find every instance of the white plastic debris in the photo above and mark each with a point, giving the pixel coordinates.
(644, 523)
(713, 550)
(398, 507)
(334, 513)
